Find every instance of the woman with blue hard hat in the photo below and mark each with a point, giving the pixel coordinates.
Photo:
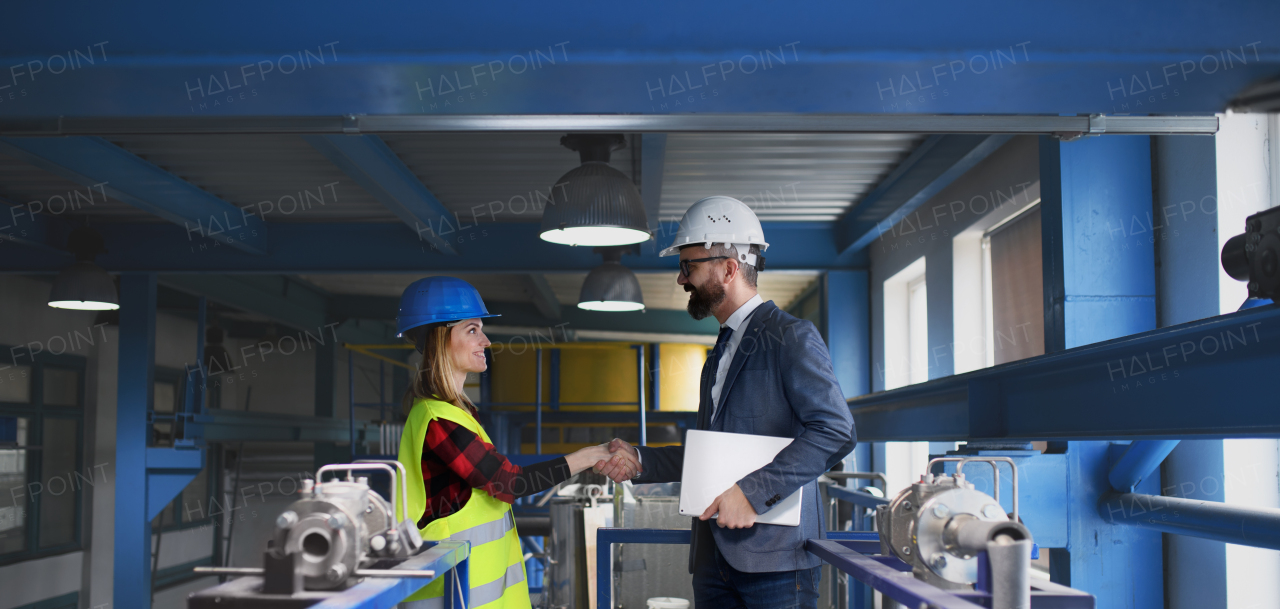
(464, 488)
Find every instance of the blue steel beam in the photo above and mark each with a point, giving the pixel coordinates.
(933, 165)
(377, 169)
(281, 299)
(1154, 385)
(388, 248)
(96, 163)
(1141, 460)
(931, 56)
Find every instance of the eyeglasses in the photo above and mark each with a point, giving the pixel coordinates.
(684, 264)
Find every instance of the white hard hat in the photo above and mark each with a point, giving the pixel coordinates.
(720, 219)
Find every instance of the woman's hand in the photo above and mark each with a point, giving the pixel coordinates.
(586, 458)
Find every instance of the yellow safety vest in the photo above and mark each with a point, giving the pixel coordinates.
(497, 562)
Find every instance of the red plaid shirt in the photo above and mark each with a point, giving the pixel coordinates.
(455, 460)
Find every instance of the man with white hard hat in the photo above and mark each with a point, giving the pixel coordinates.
(769, 374)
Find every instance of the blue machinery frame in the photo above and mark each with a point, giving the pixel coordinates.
(857, 554)
(448, 559)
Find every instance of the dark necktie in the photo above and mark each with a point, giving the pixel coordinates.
(709, 376)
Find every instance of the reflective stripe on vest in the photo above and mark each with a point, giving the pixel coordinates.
(492, 591)
(485, 522)
(484, 533)
(431, 603)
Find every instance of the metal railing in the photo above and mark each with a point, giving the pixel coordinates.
(856, 553)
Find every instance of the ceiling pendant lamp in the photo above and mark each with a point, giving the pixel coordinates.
(594, 204)
(84, 286)
(611, 286)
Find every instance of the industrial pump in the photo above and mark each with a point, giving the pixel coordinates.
(335, 532)
(940, 524)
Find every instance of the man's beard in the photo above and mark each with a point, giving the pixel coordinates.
(703, 300)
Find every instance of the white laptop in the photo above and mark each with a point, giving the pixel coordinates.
(714, 461)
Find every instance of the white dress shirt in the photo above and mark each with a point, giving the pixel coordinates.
(737, 323)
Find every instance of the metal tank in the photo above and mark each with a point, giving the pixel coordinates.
(644, 571)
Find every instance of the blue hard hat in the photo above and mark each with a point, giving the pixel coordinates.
(438, 299)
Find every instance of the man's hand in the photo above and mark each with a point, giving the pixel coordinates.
(623, 465)
(735, 511)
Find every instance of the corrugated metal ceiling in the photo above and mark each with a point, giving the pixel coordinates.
(493, 176)
(40, 191)
(782, 177)
(283, 177)
(498, 176)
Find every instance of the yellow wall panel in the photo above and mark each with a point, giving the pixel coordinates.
(599, 372)
(681, 365)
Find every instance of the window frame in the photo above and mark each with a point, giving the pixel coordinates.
(36, 411)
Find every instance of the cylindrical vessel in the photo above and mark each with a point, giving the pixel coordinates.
(565, 587)
(1010, 573)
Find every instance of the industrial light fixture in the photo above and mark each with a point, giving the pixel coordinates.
(84, 285)
(594, 204)
(611, 286)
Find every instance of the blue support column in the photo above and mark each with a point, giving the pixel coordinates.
(1099, 283)
(655, 376)
(847, 315)
(1099, 271)
(132, 550)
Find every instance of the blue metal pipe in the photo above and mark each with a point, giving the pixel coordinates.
(1139, 461)
(1257, 527)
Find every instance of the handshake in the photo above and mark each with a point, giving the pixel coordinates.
(616, 459)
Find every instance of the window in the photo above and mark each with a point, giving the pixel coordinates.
(42, 476)
(998, 291)
(1012, 261)
(906, 361)
(906, 327)
(917, 330)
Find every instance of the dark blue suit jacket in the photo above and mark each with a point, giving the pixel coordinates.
(780, 383)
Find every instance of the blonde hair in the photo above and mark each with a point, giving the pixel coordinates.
(435, 377)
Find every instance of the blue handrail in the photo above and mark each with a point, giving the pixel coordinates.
(853, 552)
